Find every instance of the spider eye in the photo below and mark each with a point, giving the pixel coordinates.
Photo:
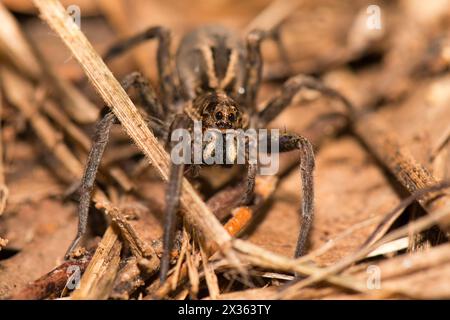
(231, 117)
(219, 115)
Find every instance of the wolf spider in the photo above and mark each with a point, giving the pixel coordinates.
(215, 79)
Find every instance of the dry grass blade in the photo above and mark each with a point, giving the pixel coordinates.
(98, 280)
(387, 221)
(417, 274)
(210, 276)
(196, 212)
(398, 159)
(179, 267)
(139, 248)
(192, 267)
(330, 244)
(266, 259)
(441, 143)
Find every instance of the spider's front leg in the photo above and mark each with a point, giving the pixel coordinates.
(173, 194)
(100, 140)
(252, 170)
(290, 142)
(99, 143)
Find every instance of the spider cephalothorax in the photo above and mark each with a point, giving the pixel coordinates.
(220, 111)
(215, 81)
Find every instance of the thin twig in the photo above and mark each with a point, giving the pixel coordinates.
(389, 218)
(263, 258)
(98, 279)
(192, 266)
(210, 276)
(138, 247)
(330, 244)
(328, 272)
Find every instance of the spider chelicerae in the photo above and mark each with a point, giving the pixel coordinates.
(213, 78)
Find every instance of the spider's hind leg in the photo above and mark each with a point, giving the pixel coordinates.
(173, 195)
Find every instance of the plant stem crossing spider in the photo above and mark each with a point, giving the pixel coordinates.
(214, 78)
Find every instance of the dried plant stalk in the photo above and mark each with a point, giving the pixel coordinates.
(398, 159)
(417, 226)
(192, 266)
(98, 279)
(138, 247)
(210, 276)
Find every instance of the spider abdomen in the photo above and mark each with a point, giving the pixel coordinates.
(211, 58)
